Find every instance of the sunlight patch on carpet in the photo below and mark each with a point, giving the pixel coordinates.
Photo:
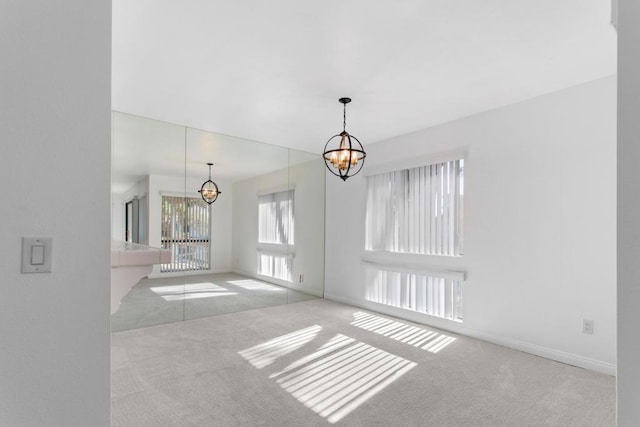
(191, 291)
(408, 334)
(335, 379)
(255, 285)
(340, 376)
(266, 353)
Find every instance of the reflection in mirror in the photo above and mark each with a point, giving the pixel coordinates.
(306, 184)
(147, 158)
(260, 243)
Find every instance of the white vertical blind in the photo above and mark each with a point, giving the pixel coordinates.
(274, 265)
(185, 231)
(416, 210)
(275, 216)
(276, 234)
(422, 293)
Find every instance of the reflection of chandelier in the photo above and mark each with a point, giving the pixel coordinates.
(209, 190)
(343, 153)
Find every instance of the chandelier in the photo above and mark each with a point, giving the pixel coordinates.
(209, 190)
(343, 153)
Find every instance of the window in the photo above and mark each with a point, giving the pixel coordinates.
(416, 210)
(185, 231)
(275, 235)
(428, 293)
(277, 266)
(275, 216)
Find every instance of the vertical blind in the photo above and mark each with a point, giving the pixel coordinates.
(422, 293)
(185, 231)
(274, 265)
(275, 218)
(416, 210)
(275, 227)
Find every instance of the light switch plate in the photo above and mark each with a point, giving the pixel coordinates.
(36, 254)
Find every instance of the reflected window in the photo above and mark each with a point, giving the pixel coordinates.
(275, 235)
(275, 216)
(185, 223)
(273, 265)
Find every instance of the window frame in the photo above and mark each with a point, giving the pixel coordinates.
(447, 267)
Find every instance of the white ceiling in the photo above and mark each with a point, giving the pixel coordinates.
(143, 146)
(272, 71)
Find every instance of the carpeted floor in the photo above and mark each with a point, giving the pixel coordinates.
(167, 300)
(317, 363)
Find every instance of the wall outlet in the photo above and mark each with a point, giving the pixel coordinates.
(301, 278)
(587, 326)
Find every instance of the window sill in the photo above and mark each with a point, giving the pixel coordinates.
(276, 249)
(434, 263)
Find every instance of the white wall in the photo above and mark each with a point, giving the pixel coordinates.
(245, 218)
(55, 171)
(308, 181)
(628, 213)
(539, 228)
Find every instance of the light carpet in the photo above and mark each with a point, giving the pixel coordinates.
(166, 300)
(318, 363)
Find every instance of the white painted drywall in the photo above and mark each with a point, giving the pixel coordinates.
(245, 218)
(307, 179)
(628, 213)
(55, 170)
(539, 231)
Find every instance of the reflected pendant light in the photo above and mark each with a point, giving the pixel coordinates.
(209, 190)
(343, 153)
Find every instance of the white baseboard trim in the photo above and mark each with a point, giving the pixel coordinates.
(293, 285)
(459, 328)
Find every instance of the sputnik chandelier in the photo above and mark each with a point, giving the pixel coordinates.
(343, 153)
(209, 190)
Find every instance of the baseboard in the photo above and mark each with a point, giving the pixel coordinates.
(459, 328)
(292, 286)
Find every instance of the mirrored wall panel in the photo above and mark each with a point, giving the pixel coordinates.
(205, 224)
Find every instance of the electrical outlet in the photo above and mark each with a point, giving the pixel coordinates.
(587, 326)
(301, 278)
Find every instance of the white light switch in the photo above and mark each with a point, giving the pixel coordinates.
(36, 254)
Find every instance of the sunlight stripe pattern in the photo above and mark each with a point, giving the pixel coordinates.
(266, 353)
(333, 384)
(408, 334)
(337, 377)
